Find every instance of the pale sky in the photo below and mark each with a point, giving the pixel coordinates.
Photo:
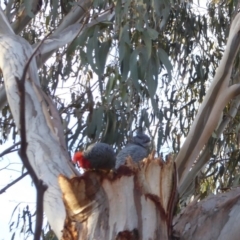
(22, 192)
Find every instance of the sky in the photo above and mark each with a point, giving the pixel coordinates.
(23, 192)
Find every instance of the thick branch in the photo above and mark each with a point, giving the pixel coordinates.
(211, 108)
(5, 27)
(206, 154)
(212, 218)
(210, 125)
(66, 36)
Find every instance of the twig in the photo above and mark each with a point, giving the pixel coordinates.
(40, 186)
(29, 61)
(13, 182)
(8, 150)
(156, 128)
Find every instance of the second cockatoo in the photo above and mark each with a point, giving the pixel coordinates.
(137, 149)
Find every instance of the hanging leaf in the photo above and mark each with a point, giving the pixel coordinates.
(28, 5)
(103, 53)
(126, 7)
(99, 116)
(148, 43)
(124, 34)
(163, 57)
(133, 69)
(126, 62)
(109, 134)
(90, 57)
(96, 50)
(54, 8)
(152, 33)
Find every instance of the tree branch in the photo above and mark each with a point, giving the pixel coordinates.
(5, 27)
(209, 113)
(13, 182)
(8, 150)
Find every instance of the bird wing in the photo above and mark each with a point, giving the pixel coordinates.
(136, 152)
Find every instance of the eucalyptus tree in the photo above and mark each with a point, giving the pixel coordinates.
(128, 64)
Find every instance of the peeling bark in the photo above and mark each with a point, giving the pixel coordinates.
(215, 217)
(131, 203)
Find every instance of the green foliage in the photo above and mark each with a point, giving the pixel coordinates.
(149, 67)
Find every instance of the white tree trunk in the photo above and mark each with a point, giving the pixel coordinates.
(46, 150)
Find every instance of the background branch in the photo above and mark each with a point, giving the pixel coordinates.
(9, 150)
(13, 182)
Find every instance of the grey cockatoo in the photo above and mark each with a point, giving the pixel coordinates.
(96, 156)
(137, 149)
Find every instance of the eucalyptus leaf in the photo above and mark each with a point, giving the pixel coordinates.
(124, 34)
(96, 50)
(126, 62)
(163, 57)
(99, 116)
(148, 43)
(90, 57)
(103, 54)
(93, 122)
(109, 134)
(152, 33)
(126, 7)
(54, 8)
(28, 6)
(133, 69)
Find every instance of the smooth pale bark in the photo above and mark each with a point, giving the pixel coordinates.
(206, 153)
(66, 36)
(20, 23)
(132, 203)
(77, 13)
(216, 217)
(5, 27)
(218, 95)
(46, 150)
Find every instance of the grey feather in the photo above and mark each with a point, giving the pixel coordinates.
(100, 155)
(137, 149)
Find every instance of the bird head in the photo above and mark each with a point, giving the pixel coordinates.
(82, 162)
(142, 140)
